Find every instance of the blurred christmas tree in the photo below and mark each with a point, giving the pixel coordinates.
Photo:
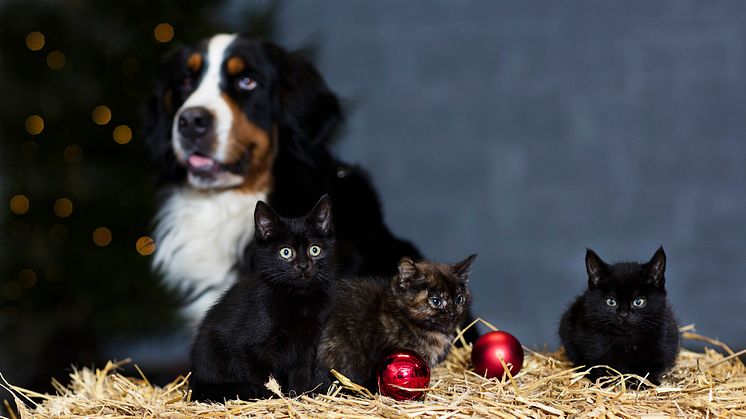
(76, 183)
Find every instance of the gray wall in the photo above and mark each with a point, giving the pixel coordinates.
(528, 131)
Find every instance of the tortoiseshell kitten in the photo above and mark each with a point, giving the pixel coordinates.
(623, 320)
(270, 322)
(418, 309)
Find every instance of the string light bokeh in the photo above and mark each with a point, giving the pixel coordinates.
(35, 40)
(122, 134)
(63, 207)
(19, 204)
(101, 115)
(164, 32)
(78, 186)
(145, 245)
(34, 125)
(56, 60)
(102, 236)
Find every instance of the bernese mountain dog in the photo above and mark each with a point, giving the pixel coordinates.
(234, 121)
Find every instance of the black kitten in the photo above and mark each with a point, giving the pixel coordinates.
(269, 323)
(418, 309)
(623, 320)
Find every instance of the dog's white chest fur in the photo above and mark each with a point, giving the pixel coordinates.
(199, 237)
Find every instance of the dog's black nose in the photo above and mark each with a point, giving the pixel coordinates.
(195, 122)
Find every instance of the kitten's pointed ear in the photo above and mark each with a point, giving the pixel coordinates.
(265, 221)
(321, 214)
(463, 268)
(407, 272)
(657, 267)
(595, 268)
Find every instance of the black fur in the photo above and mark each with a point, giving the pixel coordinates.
(269, 323)
(603, 326)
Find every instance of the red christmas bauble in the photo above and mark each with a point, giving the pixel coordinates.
(490, 347)
(406, 369)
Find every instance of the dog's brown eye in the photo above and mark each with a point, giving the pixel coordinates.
(246, 83)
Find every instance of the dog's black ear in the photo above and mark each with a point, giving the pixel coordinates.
(305, 103)
(159, 112)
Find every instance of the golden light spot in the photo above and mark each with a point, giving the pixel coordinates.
(19, 204)
(235, 65)
(73, 153)
(58, 232)
(27, 278)
(102, 236)
(56, 60)
(12, 290)
(194, 62)
(163, 32)
(122, 134)
(35, 41)
(63, 207)
(168, 102)
(34, 124)
(145, 245)
(101, 115)
(53, 272)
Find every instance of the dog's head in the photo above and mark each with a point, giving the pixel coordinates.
(223, 110)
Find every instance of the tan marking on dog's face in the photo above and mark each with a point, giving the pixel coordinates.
(168, 101)
(194, 63)
(235, 65)
(247, 137)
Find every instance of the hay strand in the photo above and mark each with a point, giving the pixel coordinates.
(708, 383)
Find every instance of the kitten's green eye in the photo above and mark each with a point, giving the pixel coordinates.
(286, 253)
(460, 299)
(436, 302)
(638, 303)
(314, 250)
(611, 302)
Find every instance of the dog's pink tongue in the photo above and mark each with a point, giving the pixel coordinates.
(200, 161)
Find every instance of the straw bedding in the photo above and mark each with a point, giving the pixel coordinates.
(707, 384)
